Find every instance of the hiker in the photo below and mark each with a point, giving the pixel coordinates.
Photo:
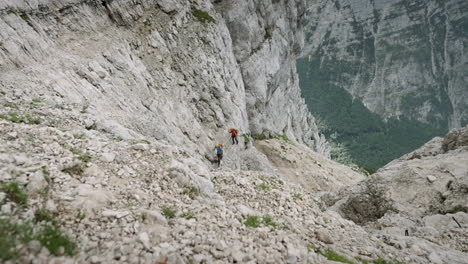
(246, 140)
(219, 153)
(234, 136)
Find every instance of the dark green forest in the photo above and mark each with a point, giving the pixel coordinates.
(358, 136)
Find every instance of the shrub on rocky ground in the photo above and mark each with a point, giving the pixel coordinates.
(15, 193)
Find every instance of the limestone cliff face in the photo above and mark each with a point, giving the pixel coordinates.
(402, 58)
(267, 37)
(156, 68)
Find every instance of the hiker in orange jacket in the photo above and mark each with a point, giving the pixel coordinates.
(233, 133)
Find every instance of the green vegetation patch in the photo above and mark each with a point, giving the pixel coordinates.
(14, 235)
(297, 196)
(260, 136)
(15, 193)
(10, 105)
(43, 215)
(37, 100)
(203, 16)
(168, 212)
(191, 191)
(282, 137)
(252, 221)
(79, 136)
(82, 156)
(263, 187)
(357, 135)
(12, 11)
(255, 221)
(54, 240)
(333, 256)
(75, 169)
(267, 135)
(268, 221)
(20, 118)
(188, 215)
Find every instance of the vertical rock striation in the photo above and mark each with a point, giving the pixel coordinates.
(401, 58)
(267, 37)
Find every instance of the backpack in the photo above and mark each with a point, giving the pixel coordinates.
(234, 130)
(219, 150)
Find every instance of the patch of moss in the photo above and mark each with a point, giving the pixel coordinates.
(203, 16)
(12, 11)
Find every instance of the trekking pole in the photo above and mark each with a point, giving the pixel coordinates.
(456, 221)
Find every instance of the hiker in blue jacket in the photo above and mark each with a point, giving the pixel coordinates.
(219, 153)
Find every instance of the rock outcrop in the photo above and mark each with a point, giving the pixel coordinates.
(424, 193)
(401, 58)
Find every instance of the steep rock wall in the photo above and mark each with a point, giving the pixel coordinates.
(145, 67)
(402, 58)
(267, 37)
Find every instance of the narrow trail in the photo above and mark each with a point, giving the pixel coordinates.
(231, 154)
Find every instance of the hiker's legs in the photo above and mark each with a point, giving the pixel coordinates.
(232, 138)
(237, 141)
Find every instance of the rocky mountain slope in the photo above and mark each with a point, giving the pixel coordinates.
(401, 58)
(109, 112)
(74, 194)
(131, 201)
(178, 71)
(424, 193)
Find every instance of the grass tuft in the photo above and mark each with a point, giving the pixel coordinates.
(42, 215)
(15, 193)
(191, 191)
(54, 240)
(297, 196)
(263, 187)
(252, 221)
(268, 221)
(333, 256)
(168, 212)
(18, 118)
(283, 138)
(188, 215)
(13, 235)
